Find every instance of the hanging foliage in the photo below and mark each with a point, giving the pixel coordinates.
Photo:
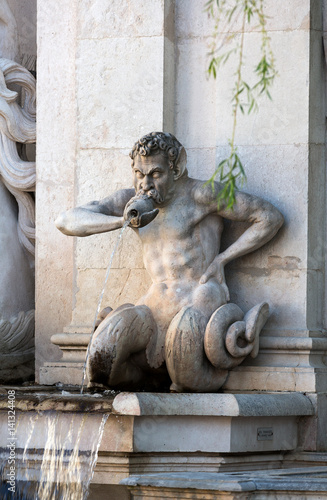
(230, 171)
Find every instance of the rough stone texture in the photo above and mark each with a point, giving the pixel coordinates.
(64, 402)
(294, 484)
(99, 492)
(55, 170)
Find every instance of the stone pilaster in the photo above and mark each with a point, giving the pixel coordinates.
(56, 160)
(122, 66)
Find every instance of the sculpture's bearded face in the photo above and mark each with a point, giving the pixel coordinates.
(153, 176)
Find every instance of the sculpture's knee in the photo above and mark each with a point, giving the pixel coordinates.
(208, 297)
(186, 362)
(123, 333)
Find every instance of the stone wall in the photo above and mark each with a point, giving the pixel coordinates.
(109, 72)
(276, 145)
(109, 91)
(56, 151)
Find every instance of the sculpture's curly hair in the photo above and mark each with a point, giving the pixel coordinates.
(158, 142)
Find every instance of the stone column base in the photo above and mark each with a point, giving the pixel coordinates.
(276, 378)
(73, 343)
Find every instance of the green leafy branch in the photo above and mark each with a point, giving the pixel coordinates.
(230, 170)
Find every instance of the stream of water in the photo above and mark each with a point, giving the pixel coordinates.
(66, 468)
(101, 297)
(66, 474)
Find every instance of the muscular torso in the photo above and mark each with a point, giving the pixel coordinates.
(183, 239)
(178, 247)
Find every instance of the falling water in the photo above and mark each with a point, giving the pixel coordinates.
(30, 430)
(32, 421)
(69, 457)
(101, 297)
(94, 457)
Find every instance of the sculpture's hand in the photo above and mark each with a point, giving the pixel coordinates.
(216, 270)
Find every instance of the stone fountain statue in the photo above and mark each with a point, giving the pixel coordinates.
(185, 325)
(17, 214)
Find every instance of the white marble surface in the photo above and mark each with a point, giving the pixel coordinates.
(56, 148)
(276, 146)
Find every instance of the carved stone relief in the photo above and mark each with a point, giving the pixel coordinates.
(184, 330)
(17, 219)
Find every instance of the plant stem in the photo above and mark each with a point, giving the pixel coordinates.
(265, 73)
(238, 84)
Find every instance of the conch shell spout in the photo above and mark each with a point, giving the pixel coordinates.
(140, 211)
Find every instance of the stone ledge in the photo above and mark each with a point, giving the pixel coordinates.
(39, 402)
(145, 404)
(224, 405)
(204, 433)
(294, 343)
(308, 480)
(162, 404)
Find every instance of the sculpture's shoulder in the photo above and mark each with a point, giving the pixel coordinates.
(187, 186)
(202, 192)
(247, 207)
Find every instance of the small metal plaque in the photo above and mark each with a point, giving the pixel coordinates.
(265, 433)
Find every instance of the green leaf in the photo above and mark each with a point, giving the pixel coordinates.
(251, 106)
(232, 13)
(230, 170)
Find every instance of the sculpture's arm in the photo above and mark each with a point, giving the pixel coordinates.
(95, 217)
(265, 220)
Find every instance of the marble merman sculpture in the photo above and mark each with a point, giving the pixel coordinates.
(184, 324)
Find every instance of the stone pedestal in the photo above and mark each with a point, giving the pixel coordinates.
(152, 433)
